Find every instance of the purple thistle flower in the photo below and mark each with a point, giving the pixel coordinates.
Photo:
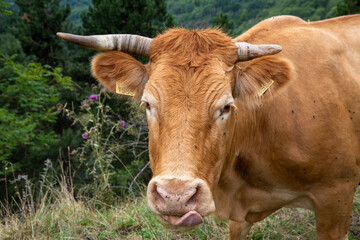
(93, 97)
(92, 129)
(103, 90)
(122, 123)
(85, 135)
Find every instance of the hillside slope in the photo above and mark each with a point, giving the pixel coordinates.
(246, 13)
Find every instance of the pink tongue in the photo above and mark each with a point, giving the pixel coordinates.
(190, 219)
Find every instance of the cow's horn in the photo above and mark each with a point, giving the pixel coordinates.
(128, 43)
(247, 51)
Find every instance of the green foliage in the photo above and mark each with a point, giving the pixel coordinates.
(223, 22)
(77, 8)
(346, 7)
(110, 156)
(36, 24)
(4, 8)
(28, 96)
(11, 46)
(245, 14)
(142, 17)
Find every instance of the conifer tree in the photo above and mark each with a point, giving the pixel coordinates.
(347, 7)
(37, 22)
(142, 17)
(223, 22)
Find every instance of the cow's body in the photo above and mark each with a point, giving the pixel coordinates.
(301, 148)
(216, 145)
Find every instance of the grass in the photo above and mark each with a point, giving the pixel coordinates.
(60, 216)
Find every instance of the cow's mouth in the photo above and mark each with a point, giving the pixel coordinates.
(190, 219)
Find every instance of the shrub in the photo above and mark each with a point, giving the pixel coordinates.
(28, 98)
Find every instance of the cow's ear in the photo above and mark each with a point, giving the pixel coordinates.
(117, 67)
(261, 78)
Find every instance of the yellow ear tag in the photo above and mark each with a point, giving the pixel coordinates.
(265, 87)
(123, 91)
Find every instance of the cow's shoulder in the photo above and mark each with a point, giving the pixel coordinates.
(268, 26)
(281, 22)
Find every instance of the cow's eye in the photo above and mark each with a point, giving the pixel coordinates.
(225, 109)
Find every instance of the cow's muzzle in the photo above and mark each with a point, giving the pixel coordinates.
(180, 202)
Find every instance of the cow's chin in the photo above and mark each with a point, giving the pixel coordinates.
(188, 221)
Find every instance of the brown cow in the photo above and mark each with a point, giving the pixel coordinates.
(240, 134)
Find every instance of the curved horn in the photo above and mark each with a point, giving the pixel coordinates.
(128, 43)
(247, 51)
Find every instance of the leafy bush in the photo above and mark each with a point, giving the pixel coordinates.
(4, 8)
(28, 98)
(108, 157)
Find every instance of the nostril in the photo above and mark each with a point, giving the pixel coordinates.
(157, 196)
(175, 198)
(194, 198)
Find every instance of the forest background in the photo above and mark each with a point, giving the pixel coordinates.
(58, 126)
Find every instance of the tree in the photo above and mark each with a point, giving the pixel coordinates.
(346, 7)
(5, 12)
(142, 17)
(37, 22)
(4, 9)
(223, 22)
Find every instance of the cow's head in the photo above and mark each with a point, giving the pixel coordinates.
(191, 87)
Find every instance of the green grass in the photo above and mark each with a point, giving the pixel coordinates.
(67, 218)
